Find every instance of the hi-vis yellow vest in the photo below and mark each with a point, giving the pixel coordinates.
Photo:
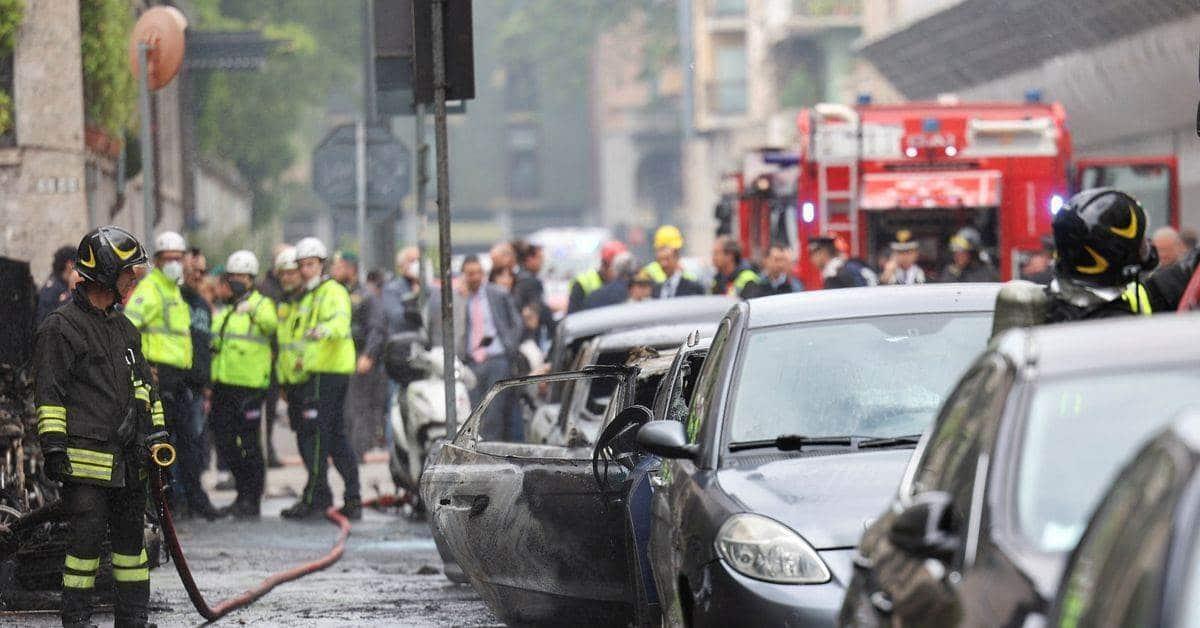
(331, 348)
(289, 340)
(158, 310)
(242, 342)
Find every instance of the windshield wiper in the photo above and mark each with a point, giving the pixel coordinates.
(891, 441)
(791, 442)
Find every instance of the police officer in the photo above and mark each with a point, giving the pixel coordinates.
(327, 360)
(587, 282)
(241, 373)
(157, 309)
(1100, 239)
(289, 340)
(96, 411)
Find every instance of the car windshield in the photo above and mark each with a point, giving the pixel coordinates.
(874, 377)
(1105, 418)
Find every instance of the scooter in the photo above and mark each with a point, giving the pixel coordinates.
(418, 413)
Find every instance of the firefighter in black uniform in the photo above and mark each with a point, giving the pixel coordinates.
(97, 416)
(1102, 267)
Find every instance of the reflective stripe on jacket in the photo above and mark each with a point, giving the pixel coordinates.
(589, 281)
(656, 272)
(328, 347)
(159, 312)
(1138, 300)
(242, 342)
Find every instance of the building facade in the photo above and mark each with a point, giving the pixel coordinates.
(59, 175)
(754, 64)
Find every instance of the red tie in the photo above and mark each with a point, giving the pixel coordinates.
(479, 354)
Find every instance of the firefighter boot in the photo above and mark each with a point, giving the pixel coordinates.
(303, 510)
(352, 509)
(77, 607)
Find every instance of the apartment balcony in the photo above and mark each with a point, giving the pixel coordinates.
(805, 18)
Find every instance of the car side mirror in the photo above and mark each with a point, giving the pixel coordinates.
(666, 439)
(925, 529)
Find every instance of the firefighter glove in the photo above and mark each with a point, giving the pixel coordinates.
(58, 465)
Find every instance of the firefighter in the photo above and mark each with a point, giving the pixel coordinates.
(97, 411)
(733, 273)
(590, 281)
(967, 265)
(327, 360)
(1102, 251)
(241, 373)
(837, 269)
(158, 311)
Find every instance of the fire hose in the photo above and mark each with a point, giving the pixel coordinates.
(163, 455)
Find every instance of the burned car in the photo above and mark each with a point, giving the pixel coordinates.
(543, 531)
(573, 331)
(584, 402)
(805, 411)
(529, 524)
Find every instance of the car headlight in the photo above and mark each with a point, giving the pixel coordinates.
(765, 549)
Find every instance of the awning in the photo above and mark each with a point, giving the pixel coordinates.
(917, 190)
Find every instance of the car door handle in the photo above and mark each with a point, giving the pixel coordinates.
(473, 504)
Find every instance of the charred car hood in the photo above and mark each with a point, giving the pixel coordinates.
(829, 500)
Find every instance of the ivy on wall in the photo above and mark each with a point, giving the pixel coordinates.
(11, 12)
(109, 91)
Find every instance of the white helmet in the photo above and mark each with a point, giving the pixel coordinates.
(311, 247)
(286, 260)
(241, 263)
(169, 241)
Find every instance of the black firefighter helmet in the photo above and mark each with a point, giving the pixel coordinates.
(107, 251)
(1100, 237)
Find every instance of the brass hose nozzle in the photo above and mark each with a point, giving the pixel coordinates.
(163, 454)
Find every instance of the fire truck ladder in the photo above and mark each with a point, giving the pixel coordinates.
(838, 147)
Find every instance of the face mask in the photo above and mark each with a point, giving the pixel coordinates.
(173, 270)
(238, 289)
(414, 270)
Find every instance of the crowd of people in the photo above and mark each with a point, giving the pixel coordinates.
(227, 344)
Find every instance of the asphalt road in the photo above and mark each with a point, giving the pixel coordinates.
(390, 573)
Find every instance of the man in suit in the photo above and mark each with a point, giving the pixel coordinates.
(777, 275)
(487, 336)
(677, 283)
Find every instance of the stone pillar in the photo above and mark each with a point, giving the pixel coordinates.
(43, 201)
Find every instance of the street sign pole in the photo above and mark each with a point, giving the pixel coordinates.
(148, 196)
(420, 217)
(360, 180)
(443, 200)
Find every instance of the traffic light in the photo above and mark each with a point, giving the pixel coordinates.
(404, 52)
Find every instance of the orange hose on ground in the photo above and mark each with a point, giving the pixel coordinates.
(247, 597)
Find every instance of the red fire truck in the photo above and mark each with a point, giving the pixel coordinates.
(861, 173)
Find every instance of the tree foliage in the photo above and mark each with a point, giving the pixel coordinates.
(264, 121)
(109, 90)
(11, 12)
